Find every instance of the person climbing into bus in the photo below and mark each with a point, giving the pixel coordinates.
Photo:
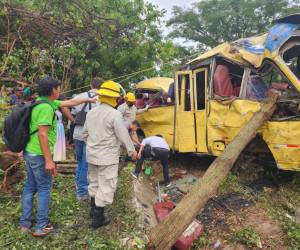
(129, 110)
(156, 148)
(140, 102)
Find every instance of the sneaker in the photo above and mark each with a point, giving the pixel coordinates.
(168, 184)
(24, 229)
(134, 175)
(43, 232)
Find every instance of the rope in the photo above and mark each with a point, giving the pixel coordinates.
(128, 76)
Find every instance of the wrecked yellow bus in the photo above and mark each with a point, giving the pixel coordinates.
(215, 94)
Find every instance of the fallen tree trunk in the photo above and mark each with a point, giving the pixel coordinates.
(164, 235)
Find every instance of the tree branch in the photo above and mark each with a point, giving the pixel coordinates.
(7, 58)
(10, 79)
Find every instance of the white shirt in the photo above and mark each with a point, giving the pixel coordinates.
(156, 142)
(77, 135)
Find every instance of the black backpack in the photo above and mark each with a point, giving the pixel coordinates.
(81, 116)
(16, 126)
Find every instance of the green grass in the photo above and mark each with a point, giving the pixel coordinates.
(246, 236)
(203, 241)
(72, 220)
(232, 184)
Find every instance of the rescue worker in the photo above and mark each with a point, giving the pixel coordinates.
(129, 110)
(104, 131)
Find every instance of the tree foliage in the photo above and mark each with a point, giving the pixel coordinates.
(75, 40)
(211, 22)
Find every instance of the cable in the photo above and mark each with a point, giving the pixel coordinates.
(127, 75)
(133, 74)
(116, 78)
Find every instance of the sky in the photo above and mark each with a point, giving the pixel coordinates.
(168, 5)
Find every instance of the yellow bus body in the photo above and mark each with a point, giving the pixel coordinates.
(206, 124)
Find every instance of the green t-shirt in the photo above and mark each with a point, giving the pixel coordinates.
(43, 114)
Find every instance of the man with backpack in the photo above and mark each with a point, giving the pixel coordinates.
(80, 146)
(38, 151)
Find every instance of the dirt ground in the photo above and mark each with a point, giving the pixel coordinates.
(271, 235)
(11, 172)
(227, 215)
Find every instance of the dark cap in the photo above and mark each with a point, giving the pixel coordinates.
(96, 82)
(50, 82)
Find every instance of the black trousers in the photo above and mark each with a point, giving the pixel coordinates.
(160, 154)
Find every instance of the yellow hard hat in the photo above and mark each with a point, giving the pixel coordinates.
(109, 88)
(130, 97)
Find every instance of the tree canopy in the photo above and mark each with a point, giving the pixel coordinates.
(75, 40)
(211, 22)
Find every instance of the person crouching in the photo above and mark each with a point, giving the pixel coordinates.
(104, 131)
(156, 148)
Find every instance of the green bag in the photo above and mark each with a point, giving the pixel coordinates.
(148, 171)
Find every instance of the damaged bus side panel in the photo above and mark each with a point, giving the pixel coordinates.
(236, 92)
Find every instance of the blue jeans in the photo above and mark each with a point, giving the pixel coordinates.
(38, 181)
(82, 169)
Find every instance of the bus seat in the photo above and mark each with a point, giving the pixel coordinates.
(222, 82)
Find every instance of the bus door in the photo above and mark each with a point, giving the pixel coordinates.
(184, 118)
(200, 77)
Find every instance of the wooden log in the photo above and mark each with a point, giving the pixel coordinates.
(66, 168)
(72, 162)
(164, 235)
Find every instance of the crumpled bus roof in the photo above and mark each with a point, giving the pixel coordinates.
(156, 83)
(254, 49)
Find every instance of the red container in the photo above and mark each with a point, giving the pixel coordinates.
(194, 230)
(162, 209)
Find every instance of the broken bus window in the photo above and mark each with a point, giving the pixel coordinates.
(227, 79)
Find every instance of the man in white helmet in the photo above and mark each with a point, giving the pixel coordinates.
(104, 132)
